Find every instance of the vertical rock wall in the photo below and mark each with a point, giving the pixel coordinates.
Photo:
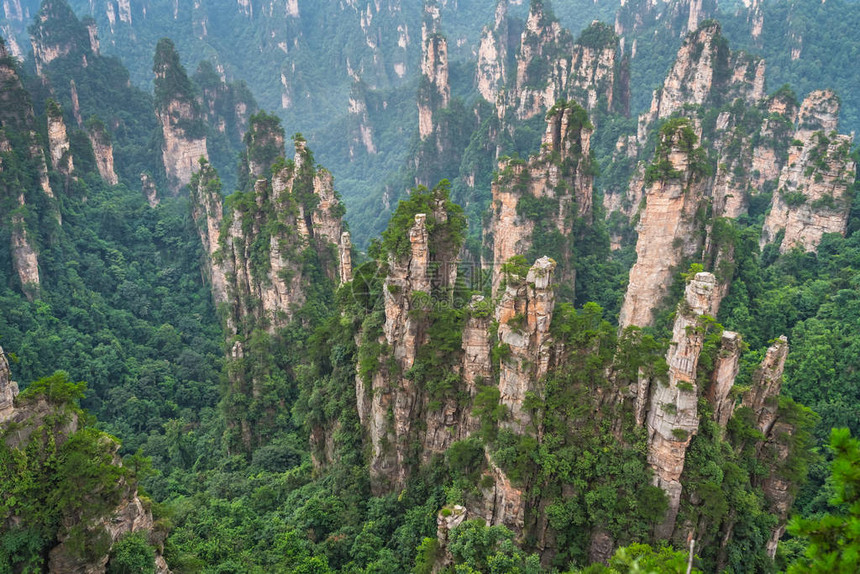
(812, 197)
(668, 232)
(673, 416)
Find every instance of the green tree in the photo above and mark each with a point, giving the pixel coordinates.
(834, 539)
(132, 555)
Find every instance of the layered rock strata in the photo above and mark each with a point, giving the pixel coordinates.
(812, 197)
(550, 66)
(524, 315)
(668, 232)
(705, 71)
(673, 416)
(550, 190)
(100, 141)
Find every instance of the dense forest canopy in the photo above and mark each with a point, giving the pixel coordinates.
(558, 320)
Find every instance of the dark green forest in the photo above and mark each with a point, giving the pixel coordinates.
(265, 459)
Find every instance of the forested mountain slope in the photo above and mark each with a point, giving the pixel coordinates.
(599, 326)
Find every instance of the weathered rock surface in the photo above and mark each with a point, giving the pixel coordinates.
(583, 71)
(8, 389)
(667, 229)
(58, 142)
(561, 172)
(103, 151)
(436, 91)
(524, 315)
(724, 375)
(705, 71)
(180, 149)
(207, 211)
(673, 416)
(491, 70)
(812, 195)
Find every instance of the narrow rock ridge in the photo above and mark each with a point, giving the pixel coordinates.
(561, 172)
(491, 71)
(673, 416)
(58, 140)
(776, 447)
(8, 389)
(667, 229)
(584, 71)
(147, 187)
(695, 77)
(207, 212)
(100, 141)
(812, 194)
(435, 93)
(361, 128)
(182, 120)
(524, 314)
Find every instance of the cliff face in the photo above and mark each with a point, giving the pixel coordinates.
(673, 416)
(524, 314)
(179, 113)
(100, 141)
(550, 67)
(207, 211)
(491, 72)
(435, 92)
(58, 141)
(279, 235)
(668, 232)
(705, 71)
(546, 193)
(23, 173)
(811, 197)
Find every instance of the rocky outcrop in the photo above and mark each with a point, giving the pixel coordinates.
(668, 232)
(51, 41)
(179, 113)
(766, 384)
(38, 418)
(8, 389)
(812, 196)
(491, 70)
(777, 444)
(147, 187)
(58, 140)
(552, 67)
(182, 147)
(16, 117)
(547, 192)
(207, 211)
(726, 368)
(705, 71)
(524, 315)
(100, 141)
(673, 416)
(280, 233)
(435, 92)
